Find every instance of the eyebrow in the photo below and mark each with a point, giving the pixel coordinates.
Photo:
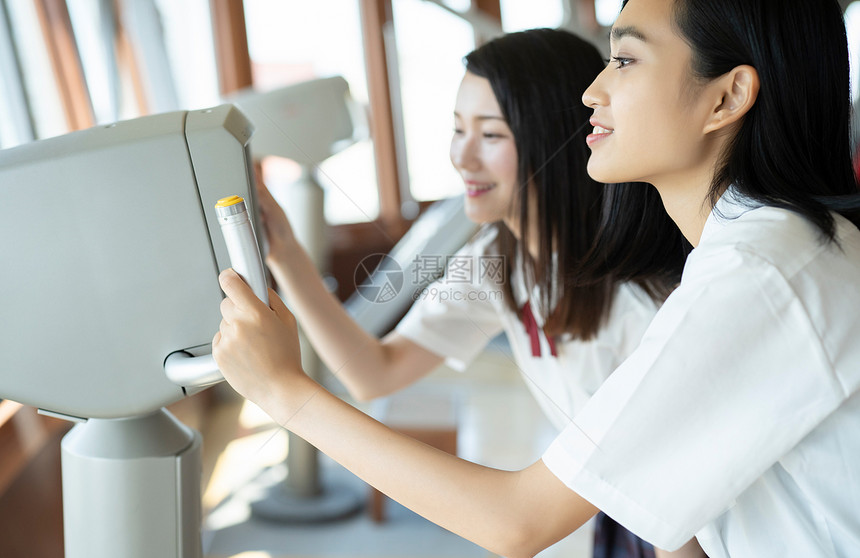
(618, 33)
(483, 117)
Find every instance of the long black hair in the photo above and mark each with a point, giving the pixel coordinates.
(538, 78)
(793, 147)
(637, 241)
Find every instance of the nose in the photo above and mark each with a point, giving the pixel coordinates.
(464, 152)
(595, 94)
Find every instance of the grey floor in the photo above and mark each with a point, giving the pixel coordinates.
(499, 425)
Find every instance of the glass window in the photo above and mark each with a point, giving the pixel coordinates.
(94, 34)
(295, 40)
(606, 11)
(49, 118)
(518, 15)
(459, 5)
(171, 46)
(15, 124)
(429, 78)
(191, 51)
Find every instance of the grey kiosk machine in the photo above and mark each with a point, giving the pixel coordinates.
(111, 248)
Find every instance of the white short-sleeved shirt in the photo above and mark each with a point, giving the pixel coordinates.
(458, 315)
(738, 417)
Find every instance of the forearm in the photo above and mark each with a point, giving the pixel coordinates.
(503, 511)
(357, 359)
(515, 513)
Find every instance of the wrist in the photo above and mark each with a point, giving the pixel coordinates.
(283, 249)
(285, 400)
(291, 267)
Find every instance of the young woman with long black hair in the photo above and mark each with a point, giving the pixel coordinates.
(737, 419)
(519, 145)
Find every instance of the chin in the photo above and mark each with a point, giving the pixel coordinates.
(478, 216)
(602, 174)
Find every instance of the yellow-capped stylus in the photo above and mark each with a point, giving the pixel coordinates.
(228, 201)
(242, 244)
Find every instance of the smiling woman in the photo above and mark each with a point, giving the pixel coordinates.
(649, 68)
(737, 112)
(736, 417)
(484, 152)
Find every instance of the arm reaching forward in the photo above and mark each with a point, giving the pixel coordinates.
(367, 366)
(513, 513)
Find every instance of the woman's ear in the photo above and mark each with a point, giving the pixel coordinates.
(736, 94)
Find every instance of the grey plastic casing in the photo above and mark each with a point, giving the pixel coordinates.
(111, 251)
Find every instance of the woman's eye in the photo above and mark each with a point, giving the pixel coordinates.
(620, 61)
(491, 135)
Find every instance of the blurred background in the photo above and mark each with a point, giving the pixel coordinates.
(72, 64)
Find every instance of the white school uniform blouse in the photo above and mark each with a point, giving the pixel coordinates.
(738, 417)
(457, 316)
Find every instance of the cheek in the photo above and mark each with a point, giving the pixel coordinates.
(672, 134)
(652, 125)
(454, 151)
(503, 162)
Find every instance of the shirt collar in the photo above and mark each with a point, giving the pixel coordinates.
(731, 205)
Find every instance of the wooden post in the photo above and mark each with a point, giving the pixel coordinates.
(231, 45)
(66, 62)
(376, 16)
(490, 8)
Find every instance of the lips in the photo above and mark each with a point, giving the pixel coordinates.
(475, 188)
(599, 133)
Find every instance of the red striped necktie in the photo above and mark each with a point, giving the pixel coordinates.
(533, 331)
